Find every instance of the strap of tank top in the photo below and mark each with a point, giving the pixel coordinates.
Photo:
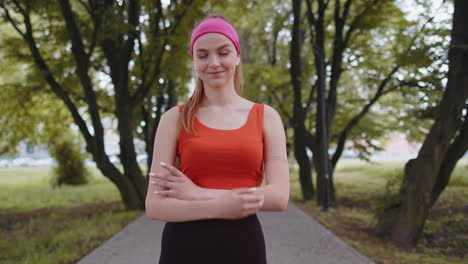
(258, 116)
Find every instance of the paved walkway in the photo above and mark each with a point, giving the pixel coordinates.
(291, 237)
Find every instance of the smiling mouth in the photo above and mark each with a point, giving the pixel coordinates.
(215, 72)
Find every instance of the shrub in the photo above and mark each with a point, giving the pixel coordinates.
(70, 168)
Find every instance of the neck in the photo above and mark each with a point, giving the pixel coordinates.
(220, 96)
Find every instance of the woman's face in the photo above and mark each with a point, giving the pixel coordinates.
(215, 59)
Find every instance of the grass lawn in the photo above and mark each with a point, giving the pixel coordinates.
(358, 184)
(39, 224)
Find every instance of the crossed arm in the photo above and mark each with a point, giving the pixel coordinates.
(275, 191)
(200, 203)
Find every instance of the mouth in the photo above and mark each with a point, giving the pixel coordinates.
(216, 72)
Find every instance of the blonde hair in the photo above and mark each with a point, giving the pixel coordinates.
(187, 113)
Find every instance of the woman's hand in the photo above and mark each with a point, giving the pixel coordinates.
(180, 186)
(240, 203)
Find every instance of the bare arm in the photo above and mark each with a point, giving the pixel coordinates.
(273, 201)
(276, 164)
(166, 208)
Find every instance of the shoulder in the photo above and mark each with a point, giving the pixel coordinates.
(270, 114)
(271, 120)
(170, 118)
(173, 113)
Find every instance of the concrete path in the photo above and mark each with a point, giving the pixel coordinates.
(291, 237)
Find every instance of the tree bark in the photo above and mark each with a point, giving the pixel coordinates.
(455, 152)
(385, 224)
(300, 140)
(304, 162)
(316, 25)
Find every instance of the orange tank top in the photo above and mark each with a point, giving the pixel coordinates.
(223, 159)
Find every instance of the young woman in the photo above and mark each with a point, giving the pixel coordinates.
(226, 145)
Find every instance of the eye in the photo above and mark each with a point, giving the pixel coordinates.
(202, 56)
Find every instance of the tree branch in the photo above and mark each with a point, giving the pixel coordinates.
(347, 6)
(11, 20)
(355, 120)
(133, 19)
(311, 96)
(283, 110)
(310, 15)
(85, 6)
(142, 90)
(56, 88)
(93, 41)
(20, 9)
(355, 21)
(82, 65)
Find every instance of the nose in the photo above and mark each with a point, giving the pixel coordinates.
(213, 61)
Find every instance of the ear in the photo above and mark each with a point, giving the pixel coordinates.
(237, 60)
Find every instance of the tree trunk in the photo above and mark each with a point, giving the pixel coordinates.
(387, 221)
(129, 194)
(417, 197)
(320, 183)
(321, 159)
(305, 170)
(300, 134)
(455, 152)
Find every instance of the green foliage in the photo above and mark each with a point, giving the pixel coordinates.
(266, 78)
(70, 168)
(25, 111)
(168, 45)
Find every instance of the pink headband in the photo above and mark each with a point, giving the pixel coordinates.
(215, 25)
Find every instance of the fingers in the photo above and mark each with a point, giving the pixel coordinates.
(163, 183)
(161, 193)
(245, 190)
(162, 175)
(172, 169)
(252, 198)
(250, 195)
(166, 176)
(252, 208)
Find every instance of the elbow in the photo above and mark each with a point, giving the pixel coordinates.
(150, 210)
(150, 215)
(282, 204)
(279, 200)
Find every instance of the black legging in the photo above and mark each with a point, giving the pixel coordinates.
(211, 241)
